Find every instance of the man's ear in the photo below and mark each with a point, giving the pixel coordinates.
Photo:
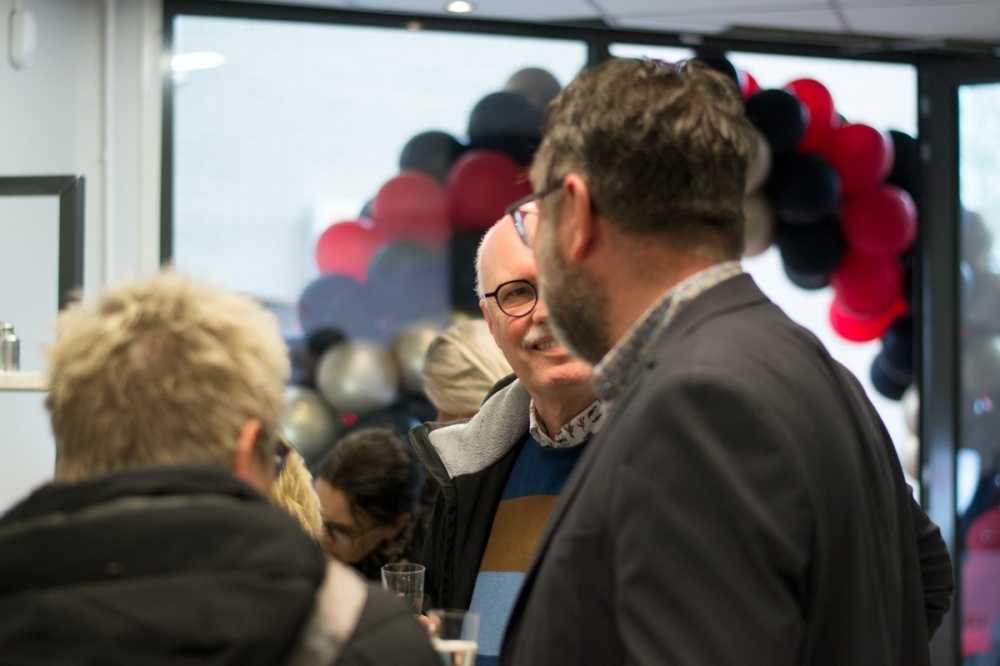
(581, 227)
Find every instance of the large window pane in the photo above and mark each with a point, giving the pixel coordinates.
(978, 464)
(302, 124)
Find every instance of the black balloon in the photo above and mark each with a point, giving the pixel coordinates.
(906, 163)
(722, 64)
(464, 245)
(810, 252)
(507, 122)
(897, 345)
(779, 116)
(889, 381)
(298, 356)
(410, 283)
(432, 152)
(803, 188)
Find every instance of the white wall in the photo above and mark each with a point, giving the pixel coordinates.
(89, 105)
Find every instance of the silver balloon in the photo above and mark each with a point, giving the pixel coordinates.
(409, 348)
(309, 424)
(357, 376)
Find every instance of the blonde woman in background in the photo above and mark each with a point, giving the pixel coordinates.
(294, 493)
(461, 366)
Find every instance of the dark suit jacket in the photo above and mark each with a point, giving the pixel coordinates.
(743, 505)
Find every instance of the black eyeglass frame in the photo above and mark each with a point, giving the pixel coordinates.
(493, 295)
(516, 214)
(281, 451)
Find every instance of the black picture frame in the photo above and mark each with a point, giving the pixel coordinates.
(70, 190)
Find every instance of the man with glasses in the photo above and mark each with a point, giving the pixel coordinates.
(501, 471)
(156, 544)
(743, 503)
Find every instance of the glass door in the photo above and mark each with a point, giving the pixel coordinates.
(960, 391)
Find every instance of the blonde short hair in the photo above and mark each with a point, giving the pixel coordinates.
(162, 371)
(294, 493)
(461, 366)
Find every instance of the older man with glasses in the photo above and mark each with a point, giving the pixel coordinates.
(501, 471)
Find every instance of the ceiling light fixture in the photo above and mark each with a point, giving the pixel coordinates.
(459, 7)
(185, 62)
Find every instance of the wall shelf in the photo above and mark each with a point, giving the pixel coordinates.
(23, 381)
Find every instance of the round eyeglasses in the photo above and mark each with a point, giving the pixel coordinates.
(516, 298)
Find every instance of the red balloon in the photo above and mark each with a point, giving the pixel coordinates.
(345, 248)
(880, 221)
(748, 84)
(412, 206)
(867, 286)
(861, 155)
(481, 184)
(822, 116)
(851, 328)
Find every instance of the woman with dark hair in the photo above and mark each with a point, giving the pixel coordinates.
(369, 487)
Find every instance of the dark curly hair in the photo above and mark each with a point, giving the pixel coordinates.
(377, 473)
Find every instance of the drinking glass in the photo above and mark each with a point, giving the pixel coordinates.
(405, 581)
(454, 635)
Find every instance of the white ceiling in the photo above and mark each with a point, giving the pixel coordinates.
(925, 21)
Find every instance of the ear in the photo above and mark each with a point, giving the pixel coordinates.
(581, 226)
(488, 316)
(242, 462)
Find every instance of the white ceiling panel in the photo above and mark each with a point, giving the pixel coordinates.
(979, 22)
(822, 20)
(971, 20)
(512, 10)
(667, 8)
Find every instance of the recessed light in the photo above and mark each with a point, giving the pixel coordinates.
(185, 62)
(459, 7)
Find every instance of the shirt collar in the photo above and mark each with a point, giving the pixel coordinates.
(619, 364)
(580, 428)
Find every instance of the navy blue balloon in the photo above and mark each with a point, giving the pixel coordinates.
(432, 152)
(340, 302)
(464, 244)
(803, 188)
(410, 284)
(779, 116)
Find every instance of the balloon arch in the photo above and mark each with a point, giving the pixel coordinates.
(835, 197)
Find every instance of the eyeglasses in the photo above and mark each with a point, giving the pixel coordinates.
(281, 450)
(516, 298)
(342, 535)
(525, 229)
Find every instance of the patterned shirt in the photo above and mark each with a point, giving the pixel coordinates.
(580, 428)
(619, 365)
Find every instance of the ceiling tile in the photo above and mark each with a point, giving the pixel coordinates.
(662, 8)
(524, 10)
(954, 21)
(710, 23)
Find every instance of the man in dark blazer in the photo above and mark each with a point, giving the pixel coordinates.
(744, 503)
